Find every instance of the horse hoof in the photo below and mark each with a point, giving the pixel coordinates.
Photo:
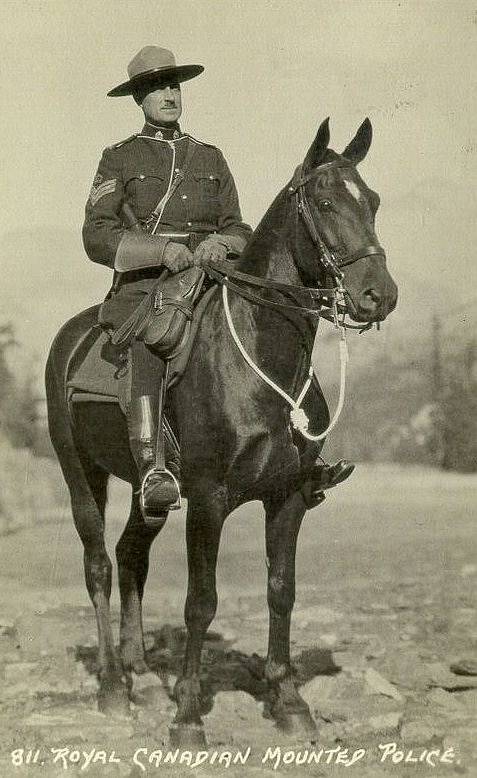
(114, 702)
(297, 723)
(187, 736)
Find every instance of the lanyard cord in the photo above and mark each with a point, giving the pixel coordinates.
(298, 416)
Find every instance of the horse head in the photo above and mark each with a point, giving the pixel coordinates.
(334, 233)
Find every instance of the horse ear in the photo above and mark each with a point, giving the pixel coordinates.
(359, 146)
(317, 149)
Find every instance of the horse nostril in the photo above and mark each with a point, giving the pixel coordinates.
(371, 295)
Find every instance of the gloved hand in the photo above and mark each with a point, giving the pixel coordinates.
(177, 257)
(210, 248)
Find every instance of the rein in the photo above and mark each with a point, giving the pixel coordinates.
(333, 297)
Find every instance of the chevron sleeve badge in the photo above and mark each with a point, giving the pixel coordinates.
(100, 189)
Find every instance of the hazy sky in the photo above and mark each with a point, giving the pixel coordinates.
(273, 71)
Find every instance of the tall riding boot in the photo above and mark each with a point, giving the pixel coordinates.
(159, 489)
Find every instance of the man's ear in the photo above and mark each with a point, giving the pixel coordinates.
(357, 149)
(317, 150)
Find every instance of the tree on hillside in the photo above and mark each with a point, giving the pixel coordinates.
(17, 409)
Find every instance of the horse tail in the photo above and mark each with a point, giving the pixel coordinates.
(86, 482)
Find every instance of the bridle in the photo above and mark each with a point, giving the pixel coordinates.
(331, 261)
(333, 297)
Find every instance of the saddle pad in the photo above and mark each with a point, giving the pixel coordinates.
(96, 368)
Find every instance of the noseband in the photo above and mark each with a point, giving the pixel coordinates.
(330, 263)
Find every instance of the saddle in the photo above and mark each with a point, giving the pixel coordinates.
(166, 320)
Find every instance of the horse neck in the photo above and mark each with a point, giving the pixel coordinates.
(268, 253)
(277, 341)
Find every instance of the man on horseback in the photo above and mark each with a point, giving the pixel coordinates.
(183, 198)
(161, 199)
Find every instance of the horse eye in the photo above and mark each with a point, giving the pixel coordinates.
(325, 205)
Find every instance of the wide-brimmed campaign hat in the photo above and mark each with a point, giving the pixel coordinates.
(154, 65)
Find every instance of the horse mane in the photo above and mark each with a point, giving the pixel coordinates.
(270, 227)
(267, 233)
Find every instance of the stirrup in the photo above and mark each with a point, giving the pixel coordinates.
(151, 513)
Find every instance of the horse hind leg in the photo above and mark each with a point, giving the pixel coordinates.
(132, 554)
(87, 484)
(283, 520)
(88, 501)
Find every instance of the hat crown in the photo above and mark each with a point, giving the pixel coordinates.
(150, 58)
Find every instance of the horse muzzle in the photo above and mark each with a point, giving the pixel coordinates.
(374, 303)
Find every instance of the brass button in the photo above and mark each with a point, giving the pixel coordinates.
(184, 197)
(189, 224)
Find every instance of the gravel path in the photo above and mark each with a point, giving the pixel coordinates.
(385, 611)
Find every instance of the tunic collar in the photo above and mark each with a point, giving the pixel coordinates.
(169, 132)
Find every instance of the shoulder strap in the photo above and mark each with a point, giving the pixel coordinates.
(176, 182)
(123, 142)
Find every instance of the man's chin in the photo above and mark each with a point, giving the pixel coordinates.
(164, 118)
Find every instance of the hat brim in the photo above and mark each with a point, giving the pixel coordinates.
(157, 76)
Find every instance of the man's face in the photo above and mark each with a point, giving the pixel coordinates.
(162, 105)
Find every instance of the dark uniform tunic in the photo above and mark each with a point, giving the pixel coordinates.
(139, 171)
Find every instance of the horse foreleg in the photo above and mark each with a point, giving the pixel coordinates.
(88, 500)
(283, 521)
(132, 554)
(205, 518)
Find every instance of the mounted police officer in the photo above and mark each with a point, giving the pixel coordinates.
(161, 199)
(183, 198)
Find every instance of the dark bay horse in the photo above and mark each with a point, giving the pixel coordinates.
(237, 443)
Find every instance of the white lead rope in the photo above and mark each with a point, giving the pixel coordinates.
(298, 417)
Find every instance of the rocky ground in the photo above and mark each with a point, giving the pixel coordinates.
(385, 616)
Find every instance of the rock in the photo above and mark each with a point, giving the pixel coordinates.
(145, 681)
(379, 685)
(329, 639)
(465, 667)
(374, 648)
(444, 700)
(319, 690)
(441, 676)
(387, 722)
(406, 668)
(236, 717)
(87, 683)
(225, 633)
(351, 660)
(421, 732)
(148, 689)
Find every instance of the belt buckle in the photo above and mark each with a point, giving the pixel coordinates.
(158, 301)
